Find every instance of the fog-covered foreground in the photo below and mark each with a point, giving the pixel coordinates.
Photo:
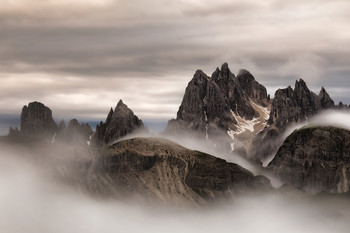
(31, 202)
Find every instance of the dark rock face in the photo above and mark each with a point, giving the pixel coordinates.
(119, 123)
(315, 159)
(234, 95)
(325, 99)
(252, 88)
(288, 107)
(297, 105)
(203, 103)
(163, 170)
(37, 121)
(74, 132)
(214, 105)
(209, 103)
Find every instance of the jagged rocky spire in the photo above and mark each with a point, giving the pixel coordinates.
(325, 99)
(297, 105)
(290, 106)
(119, 123)
(211, 103)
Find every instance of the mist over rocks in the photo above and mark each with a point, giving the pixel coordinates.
(315, 159)
(235, 112)
(74, 132)
(119, 123)
(289, 107)
(13, 132)
(227, 110)
(37, 123)
(167, 172)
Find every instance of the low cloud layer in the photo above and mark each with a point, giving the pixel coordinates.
(33, 203)
(80, 58)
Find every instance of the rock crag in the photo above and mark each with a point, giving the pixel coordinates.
(315, 159)
(289, 107)
(37, 121)
(119, 123)
(213, 106)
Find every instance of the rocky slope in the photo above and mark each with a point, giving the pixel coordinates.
(148, 169)
(37, 121)
(119, 123)
(162, 170)
(315, 159)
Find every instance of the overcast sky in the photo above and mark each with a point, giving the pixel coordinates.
(80, 57)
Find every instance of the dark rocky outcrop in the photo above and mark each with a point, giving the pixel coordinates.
(203, 110)
(315, 159)
(74, 132)
(166, 171)
(119, 123)
(297, 105)
(213, 107)
(289, 107)
(252, 88)
(235, 97)
(37, 121)
(210, 104)
(325, 99)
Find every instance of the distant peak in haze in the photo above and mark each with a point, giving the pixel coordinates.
(37, 121)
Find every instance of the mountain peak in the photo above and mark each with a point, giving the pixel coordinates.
(223, 74)
(243, 72)
(325, 100)
(300, 84)
(224, 67)
(245, 76)
(119, 123)
(120, 103)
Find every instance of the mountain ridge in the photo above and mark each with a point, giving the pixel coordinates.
(236, 112)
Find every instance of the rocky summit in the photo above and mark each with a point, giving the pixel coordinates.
(37, 121)
(315, 159)
(213, 106)
(119, 123)
(236, 113)
(289, 106)
(165, 171)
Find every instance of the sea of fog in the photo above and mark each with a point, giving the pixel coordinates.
(31, 202)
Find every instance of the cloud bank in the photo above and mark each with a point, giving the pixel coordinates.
(33, 203)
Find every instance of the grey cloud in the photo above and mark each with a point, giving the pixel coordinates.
(120, 50)
(226, 8)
